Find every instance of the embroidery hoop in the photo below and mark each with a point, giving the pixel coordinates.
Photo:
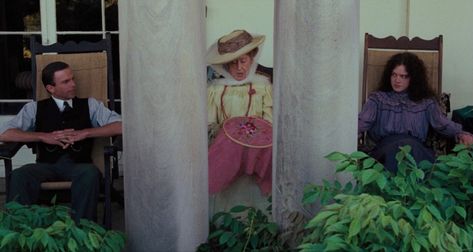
(235, 129)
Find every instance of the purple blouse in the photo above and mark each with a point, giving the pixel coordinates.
(391, 113)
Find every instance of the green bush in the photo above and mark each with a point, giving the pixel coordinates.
(423, 207)
(242, 229)
(39, 228)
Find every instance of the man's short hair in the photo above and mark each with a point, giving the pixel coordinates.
(47, 75)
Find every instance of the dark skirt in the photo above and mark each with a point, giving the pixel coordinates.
(386, 150)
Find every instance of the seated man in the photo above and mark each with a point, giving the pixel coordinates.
(63, 127)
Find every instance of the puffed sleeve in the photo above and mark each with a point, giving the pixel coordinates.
(367, 116)
(211, 105)
(440, 122)
(268, 103)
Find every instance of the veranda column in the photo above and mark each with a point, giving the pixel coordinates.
(316, 94)
(165, 124)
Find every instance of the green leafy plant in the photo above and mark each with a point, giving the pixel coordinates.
(423, 207)
(39, 228)
(242, 229)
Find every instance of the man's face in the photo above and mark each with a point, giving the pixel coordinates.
(65, 87)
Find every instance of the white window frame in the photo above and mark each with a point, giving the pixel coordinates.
(49, 31)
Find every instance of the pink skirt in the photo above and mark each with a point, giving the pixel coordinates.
(243, 146)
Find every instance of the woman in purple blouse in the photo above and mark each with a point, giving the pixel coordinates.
(402, 110)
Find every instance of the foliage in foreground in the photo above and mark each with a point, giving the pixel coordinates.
(424, 207)
(242, 229)
(39, 228)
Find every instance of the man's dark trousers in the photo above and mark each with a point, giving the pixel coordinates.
(25, 184)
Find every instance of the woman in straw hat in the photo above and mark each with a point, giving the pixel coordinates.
(240, 112)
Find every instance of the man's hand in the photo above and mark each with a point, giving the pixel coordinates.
(59, 137)
(77, 135)
(63, 138)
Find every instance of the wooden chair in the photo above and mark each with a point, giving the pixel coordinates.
(92, 67)
(377, 51)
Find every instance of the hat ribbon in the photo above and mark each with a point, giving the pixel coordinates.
(234, 44)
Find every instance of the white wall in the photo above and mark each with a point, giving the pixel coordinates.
(427, 19)
(255, 16)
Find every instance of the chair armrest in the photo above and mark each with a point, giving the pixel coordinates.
(116, 146)
(118, 143)
(8, 150)
(112, 151)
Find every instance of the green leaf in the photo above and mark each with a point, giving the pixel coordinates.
(224, 238)
(405, 149)
(449, 212)
(254, 241)
(310, 197)
(38, 234)
(348, 187)
(272, 228)
(227, 220)
(95, 239)
(238, 209)
(351, 168)
(336, 228)
(368, 176)
(379, 167)
(415, 245)
(22, 240)
(461, 211)
(358, 155)
(334, 243)
(459, 147)
(232, 241)
(435, 212)
(342, 165)
(216, 233)
(419, 173)
(8, 238)
(336, 156)
(72, 245)
(367, 163)
(434, 236)
(438, 194)
(319, 217)
(311, 247)
(381, 181)
(45, 240)
(426, 216)
(355, 227)
(460, 195)
(422, 240)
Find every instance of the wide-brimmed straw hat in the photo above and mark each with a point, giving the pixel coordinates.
(232, 46)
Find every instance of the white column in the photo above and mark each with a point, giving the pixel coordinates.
(316, 95)
(165, 124)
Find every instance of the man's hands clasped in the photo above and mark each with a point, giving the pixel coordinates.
(64, 138)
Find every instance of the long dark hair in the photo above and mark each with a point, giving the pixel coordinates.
(418, 83)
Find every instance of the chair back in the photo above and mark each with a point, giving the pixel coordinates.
(90, 74)
(377, 51)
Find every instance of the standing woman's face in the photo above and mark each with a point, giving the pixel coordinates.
(400, 79)
(240, 67)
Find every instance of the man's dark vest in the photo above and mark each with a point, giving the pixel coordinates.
(49, 118)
